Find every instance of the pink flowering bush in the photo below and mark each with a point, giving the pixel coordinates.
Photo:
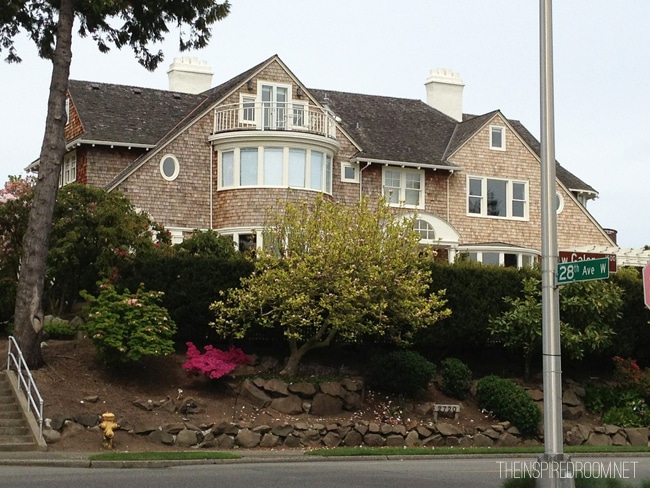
(214, 363)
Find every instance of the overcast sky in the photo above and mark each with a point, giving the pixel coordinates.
(601, 66)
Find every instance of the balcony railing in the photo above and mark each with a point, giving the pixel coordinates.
(274, 116)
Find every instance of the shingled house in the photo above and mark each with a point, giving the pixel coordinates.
(202, 157)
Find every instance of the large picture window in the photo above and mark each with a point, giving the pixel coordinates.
(404, 187)
(491, 197)
(275, 167)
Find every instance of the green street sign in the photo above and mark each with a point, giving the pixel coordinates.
(591, 269)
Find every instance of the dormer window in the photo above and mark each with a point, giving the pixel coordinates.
(497, 138)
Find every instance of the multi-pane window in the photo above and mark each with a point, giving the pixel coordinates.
(491, 197)
(425, 229)
(500, 258)
(68, 172)
(404, 187)
(497, 137)
(248, 110)
(276, 167)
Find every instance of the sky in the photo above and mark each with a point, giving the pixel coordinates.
(380, 47)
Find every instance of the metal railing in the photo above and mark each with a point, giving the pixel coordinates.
(274, 116)
(26, 381)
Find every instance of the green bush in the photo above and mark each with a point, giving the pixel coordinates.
(59, 329)
(601, 398)
(403, 372)
(456, 378)
(126, 327)
(509, 401)
(634, 414)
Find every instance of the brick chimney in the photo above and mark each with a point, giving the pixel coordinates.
(445, 92)
(189, 75)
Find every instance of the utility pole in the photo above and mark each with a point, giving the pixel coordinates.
(558, 473)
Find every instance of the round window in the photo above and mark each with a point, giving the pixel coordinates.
(559, 203)
(169, 167)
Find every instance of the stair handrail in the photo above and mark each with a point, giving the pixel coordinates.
(26, 381)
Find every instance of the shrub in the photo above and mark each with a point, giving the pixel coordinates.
(509, 401)
(634, 414)
(403, 372)
(214, 363)
(456, 378)
(126, 327)
(59, 329)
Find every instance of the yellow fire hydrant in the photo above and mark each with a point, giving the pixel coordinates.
(108, 426)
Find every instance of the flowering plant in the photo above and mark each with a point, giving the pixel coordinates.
(126, 327)
(214, 363)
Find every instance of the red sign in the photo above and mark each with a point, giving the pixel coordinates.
(646, 285)
(572, 256)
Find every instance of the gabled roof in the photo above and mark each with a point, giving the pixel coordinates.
(392, 129)
(568, 179)
(126, 114)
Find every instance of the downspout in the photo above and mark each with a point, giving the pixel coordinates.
(361, 180)
(210, 183)
(451, 172)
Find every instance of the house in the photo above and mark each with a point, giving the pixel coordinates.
(203, 157)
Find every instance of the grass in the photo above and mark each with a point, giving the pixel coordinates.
(162, 456)
(579, 483)
(428, 451)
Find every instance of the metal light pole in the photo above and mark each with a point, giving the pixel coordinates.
(551, 353)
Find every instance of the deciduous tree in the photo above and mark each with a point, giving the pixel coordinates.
(110, 23)
(587, 312)
(331, 270)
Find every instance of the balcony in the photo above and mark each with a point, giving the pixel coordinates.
(274, 116)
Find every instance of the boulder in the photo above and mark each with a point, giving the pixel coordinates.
(373, 440)
(352, 384)
(276, 388)
(481, 440)
(187, 438)
(598, 439)
(394, 440)
(254, 395)
(324, 405)
(87, 419)
(269, 440)
(247, 438)
(448, 429)
(508, 440)
(224, 441)
(352, 401)
(637, 436)
(161, 437)
(333, 388)
(290, 405)
(570, 398)
(304, 390)
(331, 440)
(536, 394)
(352, 439)
(51, 435)
(282, 430)
(57, 421)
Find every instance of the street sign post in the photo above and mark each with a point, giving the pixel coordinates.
(592, 269)
(646, 284)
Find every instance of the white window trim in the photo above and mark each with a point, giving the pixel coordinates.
(177, 167)
(501, 252)
(246, 97)
(355, 167)
(560, 203)
(509, 198)
(68, 172)
(326, 171)
(402, 198)
(502, 129)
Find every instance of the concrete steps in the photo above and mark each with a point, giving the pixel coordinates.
(15, 434)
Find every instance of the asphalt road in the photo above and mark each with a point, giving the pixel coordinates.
(431, 472)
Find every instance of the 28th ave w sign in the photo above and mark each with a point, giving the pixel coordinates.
(592, 269)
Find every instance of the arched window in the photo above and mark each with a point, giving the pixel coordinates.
(425, 229)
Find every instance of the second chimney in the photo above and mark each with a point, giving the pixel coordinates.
(445, 92)
(189, 75)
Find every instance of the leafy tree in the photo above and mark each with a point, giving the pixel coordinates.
(330, 270)
(109, 23)
(587, 309)
(94, 233)
(208, 243)
(15, 202)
